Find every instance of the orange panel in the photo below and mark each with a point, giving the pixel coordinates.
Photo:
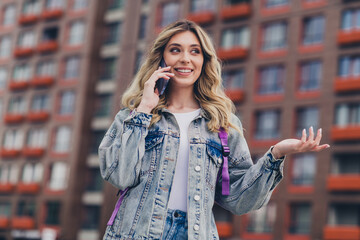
(347, 84)
(348, 37)
(42, 81)
(236, 11)
(28, 19)
(23, 52)
(23, 223)
(296, 237)
(202, 17)
(14, 118)
(28, 188)
(345, 133)
(4, 222)
(344, 182)
(232, 53)
(224, 229)
(6, 187)
(34, 152)
(48, 46)
(9, 153)
(274, 11)
(53, 13)
(18, 85)
(306, 4)
(236, 95)
(341, 233)
(38, 116)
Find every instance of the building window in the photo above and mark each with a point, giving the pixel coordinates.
(306, 117)
(271, 80)
(300, 218)
(143, 26)
(112, 33)
(96, 138)
(275, 3)
(22, 73)
(58, 176)
(116, 4)
(347, 114)
(91, 217)
(350, 19)
(80, 4)
(16, 105)
(349, 66)
(5, 209)
(313, 30)
(52, 213)
(267, 125)
(235, 37)
(46, 68)
(170, 13)
(103, 105)
(233, 79)
(303, 169)
(62, 139)
(26, 39)
(310, 76)
(235, 2)
(72, 67)
(32, 173)
(3, 78)
(67, 102)
(26, 208)
(262, 220)
(76, 32)
(31, 7)
(5, 46)
(50, 34)
(346, 164)
(108, 68)
(9, 173)
(9, 15)
(344, 214)
(40, 103)
(54, 4)
(274, 36)
(36, 138)
(202, 5)
(94, 181)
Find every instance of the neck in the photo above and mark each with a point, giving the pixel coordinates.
(182, 100)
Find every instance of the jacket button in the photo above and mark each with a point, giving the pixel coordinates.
(220, 161)
(196, 227)
(197, 197)
(197, 168)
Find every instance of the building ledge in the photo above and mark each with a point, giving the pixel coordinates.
(345, 182)
(347, 133)
(341, 232)
(236, 11)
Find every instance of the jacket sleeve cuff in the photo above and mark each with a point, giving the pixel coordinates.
(272, 162)
(139, 118)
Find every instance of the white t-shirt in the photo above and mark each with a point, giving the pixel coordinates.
(178, 194)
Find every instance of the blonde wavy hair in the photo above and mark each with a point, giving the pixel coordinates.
(208, 89)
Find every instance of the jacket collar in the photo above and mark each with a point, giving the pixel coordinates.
(203, 113)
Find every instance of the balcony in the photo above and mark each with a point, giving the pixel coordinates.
(52, 14)
(232, 53)
(236, 11)
(203, 17)
(316, 4)
(46, 47)
(341, 232)
(4, 222)
(224, 229)
(6, 187)
(265, 12)
(13, 118)
(18, 85)
(34, 152)
(28, 188)
(23, 51)
(23, 223)
(348, 182)
(348, 133)
(28, 19)
(236, 95)
(40, 116)
(10, 153)
(347, 84)
(348, 37)
(42, 81)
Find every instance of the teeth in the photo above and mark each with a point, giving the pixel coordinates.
(184, 70)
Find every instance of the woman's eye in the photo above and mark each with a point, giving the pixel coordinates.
(174, 50)
(195, 51)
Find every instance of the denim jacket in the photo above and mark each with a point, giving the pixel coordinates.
(142, 158)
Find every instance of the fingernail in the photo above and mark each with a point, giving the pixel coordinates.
(320, 130)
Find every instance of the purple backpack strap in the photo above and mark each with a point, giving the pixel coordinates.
(225, 168)
(117, 207)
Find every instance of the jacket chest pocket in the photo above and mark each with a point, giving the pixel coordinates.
(214, 162)
(153, 144)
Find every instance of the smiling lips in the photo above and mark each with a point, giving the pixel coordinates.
(184, 71)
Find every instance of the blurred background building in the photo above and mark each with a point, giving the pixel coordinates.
(287, 65)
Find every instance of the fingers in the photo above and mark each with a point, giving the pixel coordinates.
(318, 136)
(303, 136)
(311, 134)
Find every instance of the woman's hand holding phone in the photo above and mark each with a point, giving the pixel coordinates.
(150, 96)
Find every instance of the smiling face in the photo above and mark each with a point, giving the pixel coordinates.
(183, 53)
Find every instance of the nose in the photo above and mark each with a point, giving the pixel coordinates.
(185, 58)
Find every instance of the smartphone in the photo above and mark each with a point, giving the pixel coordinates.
(161, 83)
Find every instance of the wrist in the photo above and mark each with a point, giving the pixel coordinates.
(143, 109)
(276, 153)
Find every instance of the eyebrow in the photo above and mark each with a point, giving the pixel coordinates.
(179, 45)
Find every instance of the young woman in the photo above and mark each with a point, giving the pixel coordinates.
(165, 153)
